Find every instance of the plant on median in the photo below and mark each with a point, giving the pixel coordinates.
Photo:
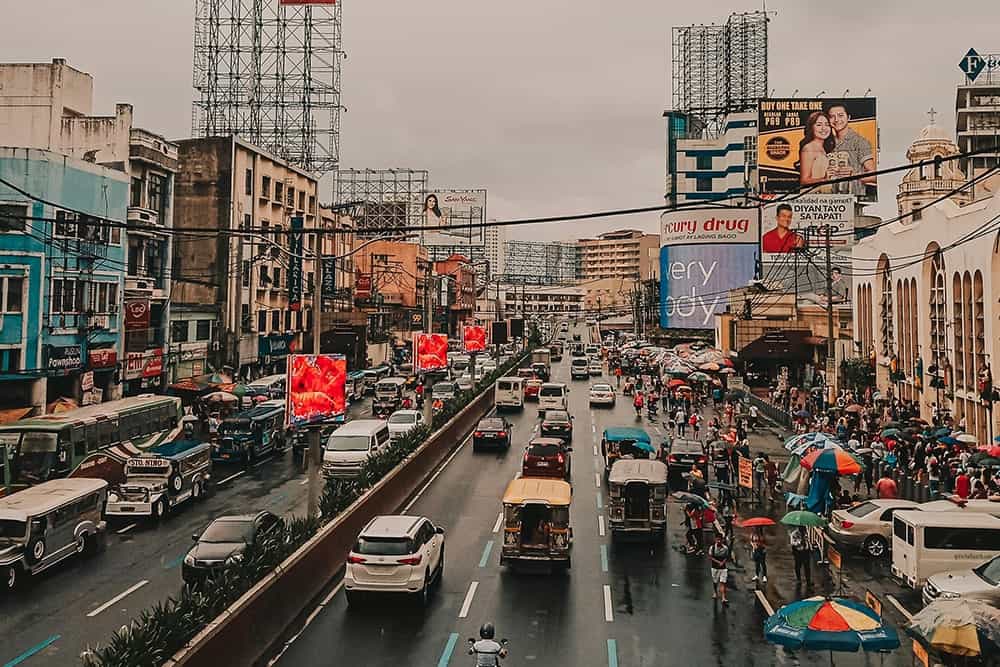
(157, 633)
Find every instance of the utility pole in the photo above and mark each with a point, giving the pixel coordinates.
(315, 458)
(831, 347)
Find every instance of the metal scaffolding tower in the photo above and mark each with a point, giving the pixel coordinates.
(270, 74)
(720, 69)
(386, 197)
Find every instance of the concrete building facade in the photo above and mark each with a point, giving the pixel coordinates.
(700, 169)
(627, 253)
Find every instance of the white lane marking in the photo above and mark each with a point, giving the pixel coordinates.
(496, 526)
(126, 529)
(468, 599)
(309, 619)
(899, 606)
(231, 477)
(597, 479)
(608, 616)
(593, 428)
(435, 475)
(595, 451)
(304, 482)
(764, 603)
(117, 598)
(600, 524)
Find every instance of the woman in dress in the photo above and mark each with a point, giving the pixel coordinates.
(813, 149)
(432, 212)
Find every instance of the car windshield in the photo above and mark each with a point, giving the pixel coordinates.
(990, 571)
(227, 531)
(35, 441)
(556, 416)
(579, 362)
(384, 546)
(443, 388)
(347, 443)
(12, 530)
(544, 450)
(403, 419)
(490, 425)
(33, 467)
(551, 391)
(863, 509)
(601, 387)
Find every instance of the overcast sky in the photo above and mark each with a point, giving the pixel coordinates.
(554, 106)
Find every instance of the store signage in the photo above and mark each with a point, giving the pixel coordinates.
(745, 469)
(329, 277)
(64, 358)
(148, 364)
(87, 381)
(416, 321)
(362, 285)
(275, 346)
(105, 357)
(973, 64)
(295, 248)
(136, 315)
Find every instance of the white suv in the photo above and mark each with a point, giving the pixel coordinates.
(395, 554)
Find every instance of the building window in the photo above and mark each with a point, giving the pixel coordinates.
(703, 184)
(245, 318)
(261, 321)
(104, 297)
(203, 330)
(918, 213)
(265, 186)
(312, 204)
(309, 282)
(135, 193)
(309, 319)
(67, 296)
(302, 201)
(247, 221)
(157, 196)
(275, 320)
(704, 162)
(277, 278)
(179, 331)
(10, 360)
(246, 273)
(12, 294)
(264, 280)
(13, 217)
(288, 320)
(248, 185)
(750, 151)
(298, 320)
(279, 191)
(291, 197)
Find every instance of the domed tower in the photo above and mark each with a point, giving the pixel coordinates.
(925, 184)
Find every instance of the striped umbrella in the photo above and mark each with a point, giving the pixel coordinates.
(829, 624)
(837, 461)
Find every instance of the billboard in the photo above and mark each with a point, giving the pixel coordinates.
(316, 388)
(430, 351)
(703, 255)
(799, 222)
(442, 209)
(802, 143)
(307, 2)
(474, 337)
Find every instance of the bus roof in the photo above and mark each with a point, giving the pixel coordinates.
(46, 497)
(177, 448)
(56, 421)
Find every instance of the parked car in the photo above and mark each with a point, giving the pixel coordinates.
(395, 554)
(402, 422)
(531, 389)
(979, 583)
(222, 543)
(595, 367)
(684, 454)
(557, 424)
(491, 432)
(602, 394)
(867, 526)
(547, 457)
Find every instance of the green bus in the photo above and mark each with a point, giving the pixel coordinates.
(38, 449)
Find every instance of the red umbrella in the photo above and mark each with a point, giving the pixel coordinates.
(757, 521)
(676, 383)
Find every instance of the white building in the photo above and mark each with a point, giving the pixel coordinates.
(700, 169)
(495, 237)
(977, 124)
(518, 300)
(925, 294)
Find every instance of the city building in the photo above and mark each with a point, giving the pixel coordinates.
(925, 291)
(627, 253)
(977, 125)
(701, 168)
(241, 292)
(609, 297)
(540, 262)
(456, 289)
(522, 301)
(392, 284)
(495, 253)
(61, 280)
(337, 248)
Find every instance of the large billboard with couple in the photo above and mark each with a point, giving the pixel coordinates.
(803, 144)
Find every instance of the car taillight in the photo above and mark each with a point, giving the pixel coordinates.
(412, 560)
(478, 434)
(846, 524)
(569, 427)
(355, 560)
(502, 434)
(702, 459)
(560, 458)
(672, 458)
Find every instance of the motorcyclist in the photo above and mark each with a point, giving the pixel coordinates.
(487, 650)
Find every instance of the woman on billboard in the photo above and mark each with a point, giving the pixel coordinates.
(814, 151)
(432, 213)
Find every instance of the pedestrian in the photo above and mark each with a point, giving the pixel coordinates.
(681, 418)
(695, 528)
(213, 425)
(885, 487)
(718, 555)
(695, 422)
(771, 472)
(934, 474)
(753, 417)
(729, 414)
(758, 552)
(868, 474)
(760, 475)
(800, 552)
(618, 375)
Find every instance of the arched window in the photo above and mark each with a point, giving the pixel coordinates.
(938, 309)
(958, 324)
(968, 342)
(886, 306)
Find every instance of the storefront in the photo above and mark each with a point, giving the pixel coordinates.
(144, 371)
(97, 381)
(63, 365)
(191, 360)
(273, 351)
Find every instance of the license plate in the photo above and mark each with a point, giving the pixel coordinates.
(542, 464)
(489, 435)
(126, 509)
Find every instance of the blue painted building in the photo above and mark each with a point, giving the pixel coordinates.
(62, 270)
(701, 168)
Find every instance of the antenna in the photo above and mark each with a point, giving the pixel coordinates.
(820, 93)
(846, 91)
(867, 93)
(795, 92)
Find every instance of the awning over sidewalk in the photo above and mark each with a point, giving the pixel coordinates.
(11, 415)
(794, 345)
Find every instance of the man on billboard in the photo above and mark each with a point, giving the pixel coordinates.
(852, 153)
(782, 239)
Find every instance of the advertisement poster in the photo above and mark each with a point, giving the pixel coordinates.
(295, 246)
(474, 337)
(316, 388)
(137, 315)
(802, 143)
(703, 255)
(430, 351)
(498, 332)
(455, 209)
(799, 223)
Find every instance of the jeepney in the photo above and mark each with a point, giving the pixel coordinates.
(536, 522)
(624, 441)
(247, 436)
(637, 498)
(355, 387)
(372, 376)
(163, 478)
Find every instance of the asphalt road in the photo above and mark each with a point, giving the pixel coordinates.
(620, 604)
(82, 602)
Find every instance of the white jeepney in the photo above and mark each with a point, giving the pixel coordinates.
(162, 478)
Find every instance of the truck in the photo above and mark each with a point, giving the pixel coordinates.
(542, 357)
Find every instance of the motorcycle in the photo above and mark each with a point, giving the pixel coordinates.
(488, 652)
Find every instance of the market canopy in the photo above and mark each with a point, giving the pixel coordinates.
(794, 345)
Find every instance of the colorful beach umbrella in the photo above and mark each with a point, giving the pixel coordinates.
(803, 518)
(805, 440)
(829, 624)
(958, 627)
(836, 461)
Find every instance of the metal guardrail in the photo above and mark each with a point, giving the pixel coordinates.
(772, 412)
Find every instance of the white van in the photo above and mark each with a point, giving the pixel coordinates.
(968, 506)
(347, 448)
(552, 396)
(272, 386)
(925, 543)
(509, 393)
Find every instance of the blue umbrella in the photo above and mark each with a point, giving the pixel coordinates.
(644, 446)
(948, 440)
(829, 624)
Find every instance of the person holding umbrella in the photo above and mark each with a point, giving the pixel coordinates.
(800, 552)
(758, 552)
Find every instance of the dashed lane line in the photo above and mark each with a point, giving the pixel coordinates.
(37, 648)
(612, 653)
(499, 522)
(597, 479)
(600, 524)
(231, 477)
(121, 596)
(604, 558)
(486, 554)
(126, 529)
(600, 502)
(467, 603)
(608, 614)
(449, 649)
